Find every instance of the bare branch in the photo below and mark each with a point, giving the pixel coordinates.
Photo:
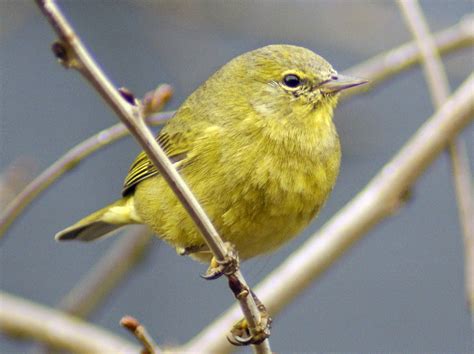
(24, 318)
(374, 203)
(439, 89)
(73, 54)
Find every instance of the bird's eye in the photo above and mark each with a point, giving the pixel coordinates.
(292, 80)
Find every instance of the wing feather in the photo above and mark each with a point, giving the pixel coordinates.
(142, 168)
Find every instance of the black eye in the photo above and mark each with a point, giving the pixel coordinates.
(292, 80)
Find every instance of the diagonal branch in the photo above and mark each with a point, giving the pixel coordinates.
(378, 200)
(439, 90)
(73, 54)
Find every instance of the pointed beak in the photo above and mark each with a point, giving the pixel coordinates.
(341, 82)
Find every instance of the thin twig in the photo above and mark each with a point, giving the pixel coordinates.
(105, 275)
(439, 89)
(378, 200)
(20, 317)
(377, 69)
(73, 54)
(141, 333)
(66, 163)
(387, 64)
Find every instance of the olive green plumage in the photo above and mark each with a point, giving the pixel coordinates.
(256, 144)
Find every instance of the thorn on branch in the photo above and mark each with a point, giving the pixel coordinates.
(139, 331)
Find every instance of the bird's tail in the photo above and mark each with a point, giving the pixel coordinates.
(102, 222)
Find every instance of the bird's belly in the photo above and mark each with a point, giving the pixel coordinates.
(257, 210)
(270, 213)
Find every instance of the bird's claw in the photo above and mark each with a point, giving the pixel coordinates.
(228, 266)
(240, 334)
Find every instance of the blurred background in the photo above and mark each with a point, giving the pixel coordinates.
(400, 290)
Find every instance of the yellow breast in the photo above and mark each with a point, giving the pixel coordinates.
(269, 191)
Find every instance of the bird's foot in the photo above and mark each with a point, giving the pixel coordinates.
(240, 334)
(228, 266)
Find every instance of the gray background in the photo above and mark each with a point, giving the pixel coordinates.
(400, 289)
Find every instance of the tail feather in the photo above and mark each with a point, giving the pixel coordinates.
(102, 222)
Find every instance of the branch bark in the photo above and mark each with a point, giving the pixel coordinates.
(378, 200)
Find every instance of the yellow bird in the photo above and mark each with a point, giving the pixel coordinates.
(256, 144)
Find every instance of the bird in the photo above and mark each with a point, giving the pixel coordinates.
(256, 144)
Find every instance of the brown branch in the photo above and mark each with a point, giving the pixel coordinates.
(378, 200)
(439, 89)
(140, 332)
(73, 54)
(20, 317)
(377, 69)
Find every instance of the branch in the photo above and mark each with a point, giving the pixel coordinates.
(140, 332)
(66, 163)
(73, 54)
(105, 275)
(387, 64)
(24, 318)
(439, 90)
(377, 69)
(378, 200)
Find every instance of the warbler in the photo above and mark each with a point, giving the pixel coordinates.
(256, 144)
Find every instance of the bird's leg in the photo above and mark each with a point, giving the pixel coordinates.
(240, 334)
(228, 266)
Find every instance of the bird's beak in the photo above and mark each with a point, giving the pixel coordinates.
(341, 82)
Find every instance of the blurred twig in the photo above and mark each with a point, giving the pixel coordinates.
(14, 178)
(378, 200)
(140, 332)
(439, 89)
(66, 163)
(377, 69)
(72, 54)
(387, 64)
(19, 317)
(104, 276)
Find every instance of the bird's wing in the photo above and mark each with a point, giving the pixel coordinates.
(175, 139)
(142, 168)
